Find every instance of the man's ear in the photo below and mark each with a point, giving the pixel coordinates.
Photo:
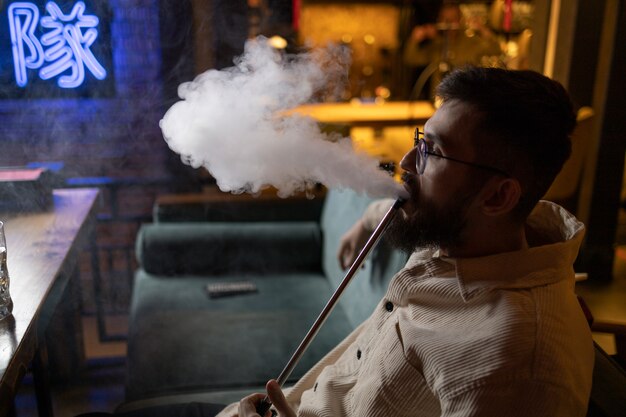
(501, 195)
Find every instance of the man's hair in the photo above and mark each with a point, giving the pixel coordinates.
(524, 128)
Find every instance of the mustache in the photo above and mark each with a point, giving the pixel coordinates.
(411, 181)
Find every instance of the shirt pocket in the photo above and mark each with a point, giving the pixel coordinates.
(399, 387)
(329, 396)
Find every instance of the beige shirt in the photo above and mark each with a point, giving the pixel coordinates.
(501, 335)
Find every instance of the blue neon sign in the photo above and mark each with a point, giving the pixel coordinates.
(63, 49)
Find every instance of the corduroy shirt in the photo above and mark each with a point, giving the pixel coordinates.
(499, 335)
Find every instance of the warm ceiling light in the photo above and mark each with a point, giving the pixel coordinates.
(277, 42)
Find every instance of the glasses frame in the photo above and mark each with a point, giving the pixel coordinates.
(422, 154)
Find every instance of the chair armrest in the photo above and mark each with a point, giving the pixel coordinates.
(618, 330)
(218, 248)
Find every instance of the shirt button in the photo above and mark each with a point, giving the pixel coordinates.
(389, 306)
(358, 354)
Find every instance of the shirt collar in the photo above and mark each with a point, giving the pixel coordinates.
(531, 267)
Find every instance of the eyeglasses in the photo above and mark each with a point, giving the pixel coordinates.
(423, 152)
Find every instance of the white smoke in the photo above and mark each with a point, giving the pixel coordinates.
(233, 123)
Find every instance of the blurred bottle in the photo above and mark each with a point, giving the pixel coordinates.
(6, 304)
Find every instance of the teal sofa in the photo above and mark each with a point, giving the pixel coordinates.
(184, 346)
(182, 341)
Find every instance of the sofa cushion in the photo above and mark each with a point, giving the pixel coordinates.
(188, 341)
(222, 397)
(214, 248)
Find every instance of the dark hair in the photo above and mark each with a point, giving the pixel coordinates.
(525, 122)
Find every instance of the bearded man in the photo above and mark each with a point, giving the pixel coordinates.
(483, 319)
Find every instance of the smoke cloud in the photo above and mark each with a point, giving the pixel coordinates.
(234, 123)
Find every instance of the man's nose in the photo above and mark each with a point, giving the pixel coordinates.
(408, 161)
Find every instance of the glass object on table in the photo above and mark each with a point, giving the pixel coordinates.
(6, 304)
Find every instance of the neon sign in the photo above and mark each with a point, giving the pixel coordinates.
(62, 51)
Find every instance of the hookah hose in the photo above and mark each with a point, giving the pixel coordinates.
(265, 404)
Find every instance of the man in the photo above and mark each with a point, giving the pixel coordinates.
(447, 40)
(451, 42)
(483, 320)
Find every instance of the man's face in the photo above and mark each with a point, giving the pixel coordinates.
(436, 213)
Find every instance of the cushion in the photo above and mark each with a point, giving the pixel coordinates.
(227, 342)
(214, 248)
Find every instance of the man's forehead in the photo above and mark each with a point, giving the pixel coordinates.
(453, 121)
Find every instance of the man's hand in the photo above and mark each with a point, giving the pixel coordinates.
(247, 406)
(351, 244)
(477, 25)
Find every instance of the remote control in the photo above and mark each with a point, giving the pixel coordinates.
(226, 289)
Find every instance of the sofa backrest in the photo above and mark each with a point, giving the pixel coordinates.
(213, 205)
(172, 249)
(341, 210)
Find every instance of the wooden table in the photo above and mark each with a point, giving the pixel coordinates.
(42, 249)
(390, 113)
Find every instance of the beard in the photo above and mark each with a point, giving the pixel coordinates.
(428, 225)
